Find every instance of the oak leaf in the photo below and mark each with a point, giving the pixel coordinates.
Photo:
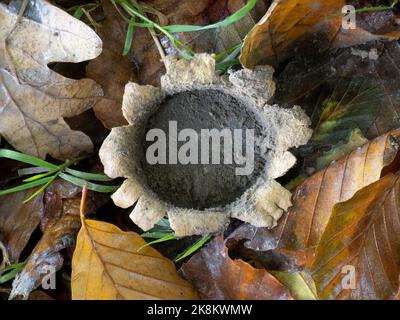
(107, 265)
(33, 98)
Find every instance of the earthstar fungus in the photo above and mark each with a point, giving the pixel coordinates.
(201, 199)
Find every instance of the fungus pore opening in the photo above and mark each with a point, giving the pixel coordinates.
(200, 186)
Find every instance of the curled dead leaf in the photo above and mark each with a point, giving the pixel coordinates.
(216, 276)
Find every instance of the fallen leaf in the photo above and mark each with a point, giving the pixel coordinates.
(351, 94)
(302, 226)
(300, 284)
(111, 69)
(59, 223)
(362, 237)
(290, 26)
(217, 277)
(33, 98)
(301, 27)
(45, 257)
(18, 221)
(107, 265)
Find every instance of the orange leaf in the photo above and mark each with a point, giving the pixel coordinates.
(362, 240)
(107, 265)
(293, 27)
(289, 24)
(216, 276)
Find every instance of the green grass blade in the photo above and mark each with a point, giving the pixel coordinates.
(41, 189)
(9, 272)
(193, 248)
(241, 13)
(78, 13)
(160, 230)
(18, 156)
(167, 237)
(88, 176)
(91, 186)
(129, 36)
(40, 176)
(25, 186)
(155, 234)
(223, 66)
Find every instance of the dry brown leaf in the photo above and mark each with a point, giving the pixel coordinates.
(111, 69)
(33, 98)
(301, 228)
(363, 233)
(107, 265)
(18, 220)
(291, 27)
(60, 224)
(216, 276)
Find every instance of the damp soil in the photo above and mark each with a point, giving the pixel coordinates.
(201, 186)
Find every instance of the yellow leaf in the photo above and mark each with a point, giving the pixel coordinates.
(107, 265)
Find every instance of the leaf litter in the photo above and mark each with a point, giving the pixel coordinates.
(344, 185)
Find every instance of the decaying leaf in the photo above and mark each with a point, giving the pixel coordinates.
(45, 258)
(358, 255)
(302, 226)
(216, 276)
(289, 24)
(294, 27)
(33, 98)
(107, 265)
(59, 223)
(111, 69)
(351, 93)
(300, 284)
(18, 220)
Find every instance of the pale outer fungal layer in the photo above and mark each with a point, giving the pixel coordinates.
(262, 204)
